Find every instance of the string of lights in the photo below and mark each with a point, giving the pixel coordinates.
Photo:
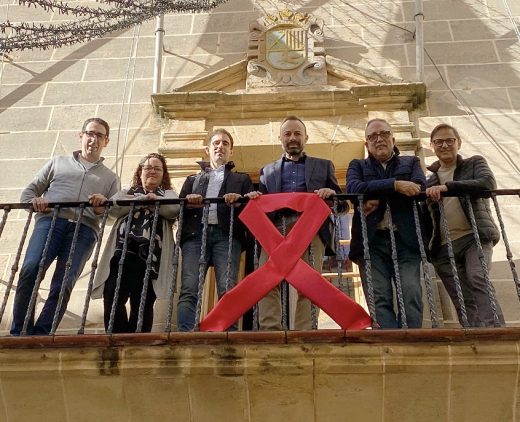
(92, 22)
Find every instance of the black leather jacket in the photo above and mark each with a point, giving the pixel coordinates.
(233, 182)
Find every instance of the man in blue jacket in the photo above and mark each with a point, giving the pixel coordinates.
(399, 178)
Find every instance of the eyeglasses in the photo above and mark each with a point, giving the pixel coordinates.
(99, 136)
(154, 168)
(441, 142)
(373, 137)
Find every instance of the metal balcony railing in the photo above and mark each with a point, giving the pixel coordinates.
(345, 279)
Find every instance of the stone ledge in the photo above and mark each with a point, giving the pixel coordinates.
(329, 336)
(309, 376)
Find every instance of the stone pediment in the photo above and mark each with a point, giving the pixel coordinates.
(352, 88)
(235, 75)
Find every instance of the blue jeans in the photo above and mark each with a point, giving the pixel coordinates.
(59, 248)
(409, 263)
(217, 255)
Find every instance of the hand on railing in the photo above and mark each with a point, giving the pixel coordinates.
(194, 200)
(434, 192)
(97, 200)
(325, 193)
(407, 188)
(40, 204)
(151, 196)
(370, 206)
(253, 195)
(231, 198)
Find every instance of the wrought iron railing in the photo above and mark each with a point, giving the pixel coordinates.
(340, 259)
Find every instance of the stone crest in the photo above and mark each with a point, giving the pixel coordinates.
(286, 49)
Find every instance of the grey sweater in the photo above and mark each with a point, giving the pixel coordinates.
(64, 179)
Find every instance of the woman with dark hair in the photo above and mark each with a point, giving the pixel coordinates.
(150, 181)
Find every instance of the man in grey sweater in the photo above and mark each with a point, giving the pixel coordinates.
(80, 177)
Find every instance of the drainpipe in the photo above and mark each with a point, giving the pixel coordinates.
(157, 66)
(419, 41)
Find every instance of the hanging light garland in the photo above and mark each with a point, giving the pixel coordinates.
(91, 23)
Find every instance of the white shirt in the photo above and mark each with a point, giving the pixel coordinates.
(87, 164)
(216, 178)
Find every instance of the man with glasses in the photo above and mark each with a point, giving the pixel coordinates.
(79, 177)
(216, 179)
(456, 175)
(394, 180)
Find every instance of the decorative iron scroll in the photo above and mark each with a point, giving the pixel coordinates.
(93, 22)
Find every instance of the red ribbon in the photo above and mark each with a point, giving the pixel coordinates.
(284, 263)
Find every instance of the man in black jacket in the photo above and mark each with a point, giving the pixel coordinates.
(216, 179)
(453, 174)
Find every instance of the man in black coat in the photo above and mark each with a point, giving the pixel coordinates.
(454, 174)
(216, 179)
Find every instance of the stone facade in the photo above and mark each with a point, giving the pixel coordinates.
(472, 74)
(439, 376)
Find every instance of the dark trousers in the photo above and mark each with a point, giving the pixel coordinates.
(131, 288)
(383, 278)
(472, 280)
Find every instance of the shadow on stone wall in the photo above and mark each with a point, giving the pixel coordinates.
(49, 74)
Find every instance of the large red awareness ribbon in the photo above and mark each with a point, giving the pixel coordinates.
(284, 263)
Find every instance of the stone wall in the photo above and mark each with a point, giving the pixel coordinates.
(472, 72)
(383, 375)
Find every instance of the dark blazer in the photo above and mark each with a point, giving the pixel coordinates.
(233, 182)
(471, 175)
(319, 173)
(369, 177)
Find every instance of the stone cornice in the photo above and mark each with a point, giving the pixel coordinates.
(330, 101)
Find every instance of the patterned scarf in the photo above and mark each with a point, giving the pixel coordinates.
(140, 231)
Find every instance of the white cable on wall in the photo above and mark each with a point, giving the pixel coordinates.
(461, 101)
(513, 21)
(128, 80)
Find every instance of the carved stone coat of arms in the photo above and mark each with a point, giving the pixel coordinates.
(286, 49)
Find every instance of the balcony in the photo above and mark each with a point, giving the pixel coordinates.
(80, 373)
